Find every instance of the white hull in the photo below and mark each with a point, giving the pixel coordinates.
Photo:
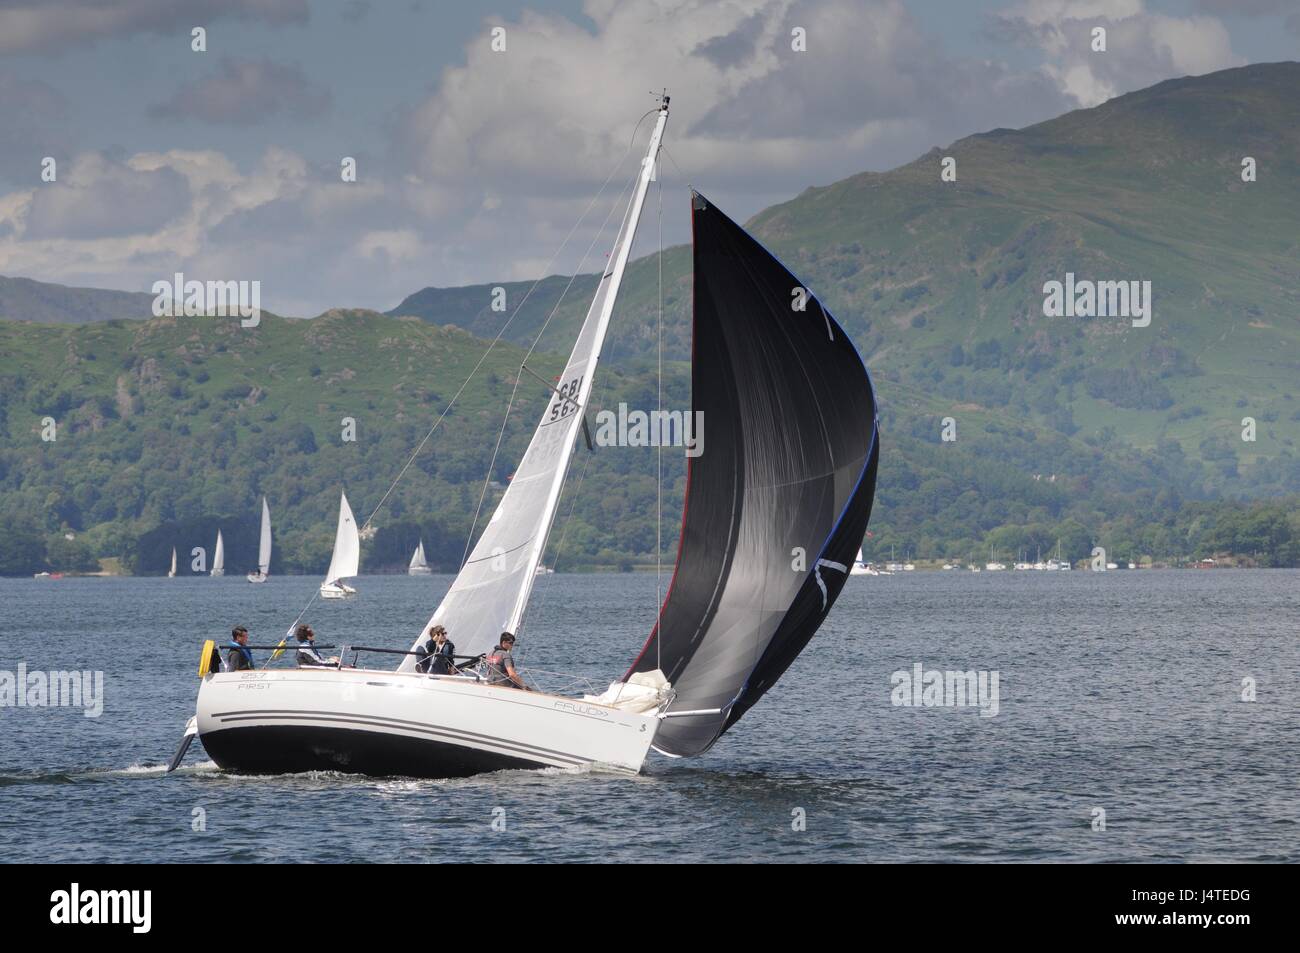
(257, 577)
(381, 722)
(336, 590)
(419, 571)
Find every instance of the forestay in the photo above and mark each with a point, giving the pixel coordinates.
(490, 593)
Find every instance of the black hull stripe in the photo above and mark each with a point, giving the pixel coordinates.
(291, 749)
(519, 747)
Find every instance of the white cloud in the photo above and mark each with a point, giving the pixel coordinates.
(1142, 47)
(487, 173)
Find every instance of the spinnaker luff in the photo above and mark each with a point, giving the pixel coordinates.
(789, 469)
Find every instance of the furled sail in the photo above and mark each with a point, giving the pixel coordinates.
(777, 505)
(219, 557)
(264, 545)
(346, 561)
(491, 592)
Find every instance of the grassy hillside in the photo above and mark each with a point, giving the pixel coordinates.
(941, 283)
(22, 299)
(170, 429)
(1083, 430)
(185, 422)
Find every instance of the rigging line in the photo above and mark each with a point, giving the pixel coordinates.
(664, 148)
(631, 186)
(581, 265)
(573, 505)
(631, 142)
(484, 356)
(487, 480)
(659, 480)
(514, 391)
(559, 548)
(500, 334)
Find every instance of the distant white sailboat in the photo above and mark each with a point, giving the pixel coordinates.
(861, 567)
(219, 557)
(263, 547)
(419, 565)
(171, 574)
(346, 561)
(1058, 564)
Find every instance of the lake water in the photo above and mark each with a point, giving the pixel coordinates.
(1119, 691)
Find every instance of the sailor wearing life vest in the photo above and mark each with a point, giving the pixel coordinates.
(500, 664)
(239, 657)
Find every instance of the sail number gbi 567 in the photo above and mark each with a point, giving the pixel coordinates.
(568, 399)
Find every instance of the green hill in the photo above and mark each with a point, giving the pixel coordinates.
(22, 299)
(1086, 430)
(941, 283)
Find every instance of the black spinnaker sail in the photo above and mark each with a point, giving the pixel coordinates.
(788, 467)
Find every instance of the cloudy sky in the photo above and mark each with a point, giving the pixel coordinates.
(474, 165)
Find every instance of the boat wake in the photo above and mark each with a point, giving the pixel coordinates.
(97, 774)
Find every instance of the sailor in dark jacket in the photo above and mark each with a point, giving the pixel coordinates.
(239, 657)
(307, 656)
(439, 654)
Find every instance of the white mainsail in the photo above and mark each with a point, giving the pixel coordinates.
(219, 557)
(347, 546)
(172, 573)
(491, 592)
(264, 546)
(418, 560)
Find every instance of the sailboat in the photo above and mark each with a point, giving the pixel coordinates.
(861, 567)
(219, 557)
(346, 561)
(263, 547)
(419, 565)
(793, 464)
(171, 573)
(1058, 564)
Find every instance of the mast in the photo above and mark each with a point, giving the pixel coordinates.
(490, 594)
(603, 308)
